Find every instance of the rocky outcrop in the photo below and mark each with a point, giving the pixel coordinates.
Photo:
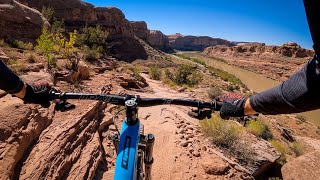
(304, 167)
(20, 127)
(260, 49)
(78, 14)
(195, 43)
(19, 22)
(158, 40)
(140, 29)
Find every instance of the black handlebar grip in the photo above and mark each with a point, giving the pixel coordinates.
(229, 110)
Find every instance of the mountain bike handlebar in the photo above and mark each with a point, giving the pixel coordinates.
(142, 102)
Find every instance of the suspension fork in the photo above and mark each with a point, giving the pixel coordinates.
(148, 143)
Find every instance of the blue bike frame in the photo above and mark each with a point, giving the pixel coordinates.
(126, 166)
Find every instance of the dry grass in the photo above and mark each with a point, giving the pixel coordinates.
(32, 58)
(155, 72)
(297, 148)
(259, 129)
(281, 148)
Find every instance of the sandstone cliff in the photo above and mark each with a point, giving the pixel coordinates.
(260, 49)
(276, 62)
(78, 14)
(19, 22)
(195, 43)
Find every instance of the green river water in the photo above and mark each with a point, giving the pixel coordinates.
(254, 81)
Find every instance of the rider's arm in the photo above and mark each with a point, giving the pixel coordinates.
(10, 82)
(301, 92)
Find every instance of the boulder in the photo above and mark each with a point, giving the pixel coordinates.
(84, 70)
(305, 167)
(19, 22)
(214, 166)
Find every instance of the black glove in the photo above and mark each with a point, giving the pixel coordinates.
(38, 94)
(233, 105)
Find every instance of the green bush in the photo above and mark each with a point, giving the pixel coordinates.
(155, 72)
(259, 129)
(92, 37)
(186, 74)
(92, 54)
(214, 92)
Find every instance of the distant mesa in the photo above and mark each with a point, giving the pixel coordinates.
(290, 49)
(195, 43)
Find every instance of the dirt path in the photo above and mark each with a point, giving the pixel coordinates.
(172, 160)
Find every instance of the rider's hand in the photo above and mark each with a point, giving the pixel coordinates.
(233, 105)
(38, 93)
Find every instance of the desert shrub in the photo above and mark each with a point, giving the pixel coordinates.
(226, 134)
(22, 45)
(155, 72)
(195, 78)
(182, 56)
(221, 132)
(92, 37)
(199, 61)
(12, 54)
(32, 58)
(297, 148)
(52, 61)
(224, 75)
(57, 26)
(169, 75)
(277, 145)
(92, 54)
(187, 75)
(18, 68)
(214, 92)
(259, 129)
(47, 12)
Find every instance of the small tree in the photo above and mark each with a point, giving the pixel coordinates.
(45, 45)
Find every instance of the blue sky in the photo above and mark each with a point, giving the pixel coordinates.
(273, 22)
